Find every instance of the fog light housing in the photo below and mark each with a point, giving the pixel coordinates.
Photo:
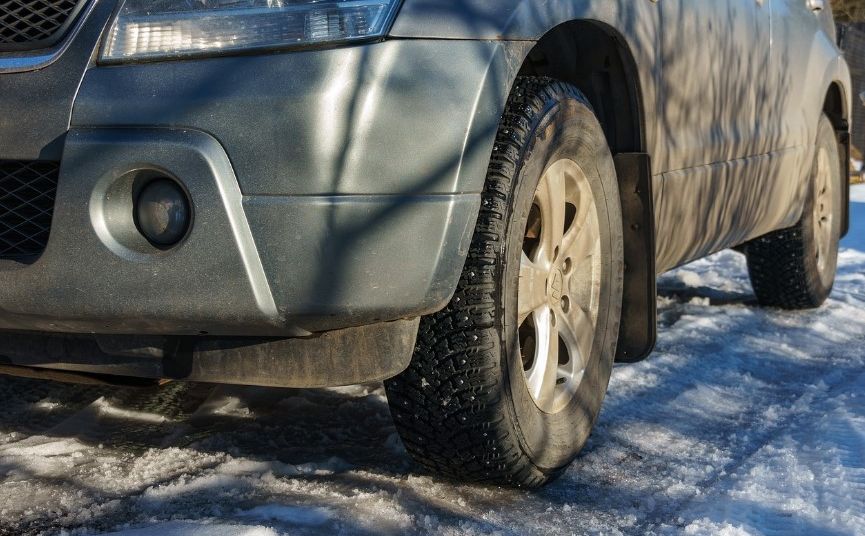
(162, 212)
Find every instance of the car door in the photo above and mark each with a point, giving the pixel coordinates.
(712, 120)
(793, 101)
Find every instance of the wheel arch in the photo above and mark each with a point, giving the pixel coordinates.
(835, 105)
(596, 58)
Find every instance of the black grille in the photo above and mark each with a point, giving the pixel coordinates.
(26, 205)
(34, 24)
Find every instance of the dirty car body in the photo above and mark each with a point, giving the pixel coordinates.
(334, 183)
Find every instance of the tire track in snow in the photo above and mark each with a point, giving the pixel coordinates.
(130, 421)
(739, 437)
(809, 478)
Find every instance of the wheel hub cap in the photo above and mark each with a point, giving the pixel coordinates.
(823, 212)
(559, 292)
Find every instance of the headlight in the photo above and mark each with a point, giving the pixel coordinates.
(147, 29)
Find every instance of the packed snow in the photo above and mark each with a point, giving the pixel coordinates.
(744, 421)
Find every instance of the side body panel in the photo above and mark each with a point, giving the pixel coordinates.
(714, 56)
(732, 90)
(714, 112)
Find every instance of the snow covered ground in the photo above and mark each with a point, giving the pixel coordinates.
(745, 421)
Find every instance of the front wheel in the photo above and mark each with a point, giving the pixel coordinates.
(507, 381)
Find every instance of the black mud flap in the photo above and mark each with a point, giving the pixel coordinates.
(844, 141)
(638, 329)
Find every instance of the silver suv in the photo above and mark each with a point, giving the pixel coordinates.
(469, 199)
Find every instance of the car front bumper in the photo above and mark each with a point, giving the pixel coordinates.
(251, 264)
(331, 189)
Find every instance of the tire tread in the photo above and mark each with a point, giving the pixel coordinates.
(778, 272)
(782, 264)
(449, 406)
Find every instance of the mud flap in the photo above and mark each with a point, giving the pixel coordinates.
(638, 329)
(844, 141)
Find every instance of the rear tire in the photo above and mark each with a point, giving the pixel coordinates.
(795, 268)
(466, 408)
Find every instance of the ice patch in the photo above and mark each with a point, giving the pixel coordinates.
(193, 528)
(294, 515)
(186, 485)
(105, 409)
(42, 447)
(230, 406)
(47, 405)
(331, 466)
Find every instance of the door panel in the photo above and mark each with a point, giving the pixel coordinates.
(713, 54)
(791, 80)
(715, 110)
(714, 207)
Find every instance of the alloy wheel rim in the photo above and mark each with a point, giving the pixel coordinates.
(560, 285)
(823, 210)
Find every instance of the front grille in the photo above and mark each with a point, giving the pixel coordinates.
(35, 24)
(27, 192)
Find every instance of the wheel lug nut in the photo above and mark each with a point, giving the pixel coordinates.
(566, 304)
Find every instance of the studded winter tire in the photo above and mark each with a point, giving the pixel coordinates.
(795, 268)
(507, 381)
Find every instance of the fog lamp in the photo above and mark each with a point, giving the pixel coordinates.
(162, 212)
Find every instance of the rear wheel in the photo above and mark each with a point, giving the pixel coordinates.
(795, 268)
(507, 381)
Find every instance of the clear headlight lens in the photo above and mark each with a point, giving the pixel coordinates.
(147, 29)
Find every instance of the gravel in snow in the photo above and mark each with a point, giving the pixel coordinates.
(744, 421)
